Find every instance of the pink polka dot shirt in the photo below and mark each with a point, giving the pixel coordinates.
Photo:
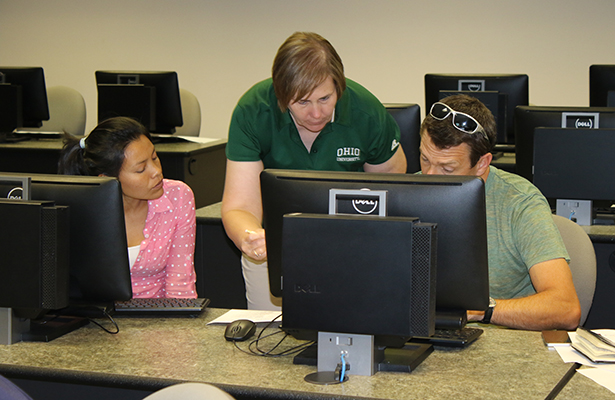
(165, 264)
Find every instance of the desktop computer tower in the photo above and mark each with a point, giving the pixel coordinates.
(358, 274)
(34, 248)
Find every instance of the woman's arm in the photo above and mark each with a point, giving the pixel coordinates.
(242, 209)
(180, 275)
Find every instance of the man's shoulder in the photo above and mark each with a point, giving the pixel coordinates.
(501, 182)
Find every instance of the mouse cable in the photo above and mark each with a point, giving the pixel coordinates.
(110, 318)
(270, 353)
(255, 350)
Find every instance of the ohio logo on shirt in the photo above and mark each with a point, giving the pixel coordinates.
(348, 154)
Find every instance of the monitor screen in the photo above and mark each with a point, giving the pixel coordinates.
(500, 93)
(23, 98)
(98, 255)
(151, 97)
(455, 203)
(408, 118)
(602, 86)
(528, 118)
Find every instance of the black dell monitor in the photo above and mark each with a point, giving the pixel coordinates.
(98, 255)
(602, 85)
(151, 97)
(408, 118)
(348, 236)
(500, 93)
(455, 203)
(23, 99)
(528, 118)
(574, 169)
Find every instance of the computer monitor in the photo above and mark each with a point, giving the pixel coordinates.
(528, 118)
(98, 256)
(602, 85)
(23, 98)
(500, 93)
(455, 203)
(575, 168)
(408, 118)
(151, 97)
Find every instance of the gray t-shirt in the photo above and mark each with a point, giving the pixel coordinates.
(520, 233)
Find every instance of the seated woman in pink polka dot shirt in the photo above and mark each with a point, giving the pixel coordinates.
(159, 213)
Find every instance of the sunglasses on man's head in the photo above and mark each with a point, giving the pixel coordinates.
(462, 121)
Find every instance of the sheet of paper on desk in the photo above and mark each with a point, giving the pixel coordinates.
(198, 139)
(253, 315)
(570, 355)
(601, 376)
(601, 373)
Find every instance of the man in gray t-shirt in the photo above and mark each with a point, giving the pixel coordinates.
(530, 281)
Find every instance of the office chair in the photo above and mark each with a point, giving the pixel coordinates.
(408, 118)
(190, 391)
(191, 114)
(66, 111)
(10, 391)
(582, 262)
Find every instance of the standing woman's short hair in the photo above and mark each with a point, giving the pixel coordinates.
(102, 151)
(304, 61)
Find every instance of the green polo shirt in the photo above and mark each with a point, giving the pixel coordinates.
(362, 132)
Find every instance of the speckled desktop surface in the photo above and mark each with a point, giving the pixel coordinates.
(151, 353)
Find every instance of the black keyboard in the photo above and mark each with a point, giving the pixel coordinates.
(451, 337)
(164, 307)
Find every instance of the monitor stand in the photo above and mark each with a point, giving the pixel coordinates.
(362, 355)
(10, 137)
(14, 329)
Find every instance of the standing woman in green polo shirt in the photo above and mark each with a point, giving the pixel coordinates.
(307, 116)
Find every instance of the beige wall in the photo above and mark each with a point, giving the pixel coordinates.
(220, 48)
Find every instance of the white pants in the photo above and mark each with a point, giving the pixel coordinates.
(257, 285)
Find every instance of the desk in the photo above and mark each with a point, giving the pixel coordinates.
(152, 353)
(201, 166)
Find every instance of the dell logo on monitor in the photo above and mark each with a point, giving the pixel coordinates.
(471, 85)
(584, 123)
(15, 194)
(581, 120)
(364, 206)
(306, 288)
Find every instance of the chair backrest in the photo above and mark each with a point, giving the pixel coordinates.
(191, 114)
(10, 391)
(67, 111)
(408, 118)
(190, 391)
(582, 261)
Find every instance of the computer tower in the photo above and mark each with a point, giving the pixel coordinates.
(34, 245)
(358, 274)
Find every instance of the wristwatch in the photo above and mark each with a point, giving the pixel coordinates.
(488, 312)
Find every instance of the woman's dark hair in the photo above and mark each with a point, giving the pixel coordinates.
(102, 151)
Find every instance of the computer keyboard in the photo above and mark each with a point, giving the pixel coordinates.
(451, 337)
(164, 307)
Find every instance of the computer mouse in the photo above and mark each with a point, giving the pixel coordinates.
(240, 330)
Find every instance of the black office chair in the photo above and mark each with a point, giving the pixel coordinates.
(408, 118)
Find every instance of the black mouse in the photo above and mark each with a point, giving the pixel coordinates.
(240, 330)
